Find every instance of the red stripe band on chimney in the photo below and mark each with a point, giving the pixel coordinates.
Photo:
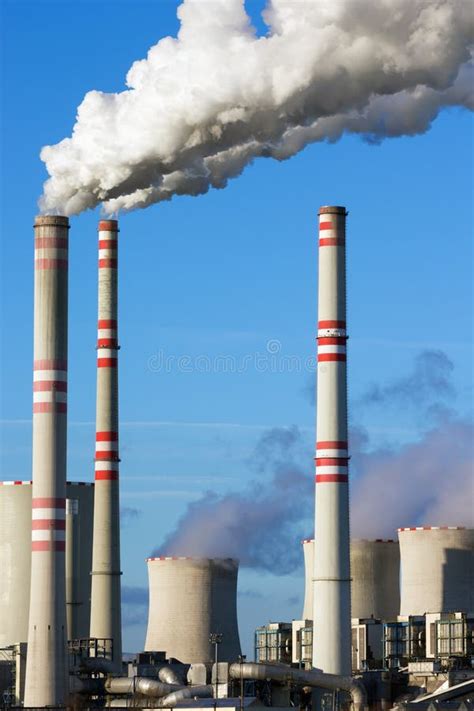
(332, 340)
(106, 436)
(107, 264)
(325, 357)
(331, 444)
(331, 324)
(326, 226)
(50, 263)
(101, 475)
(43, 502)
(108, 244)
(331, 461)
(332, 242)
(57, 546)
(107, 323)
(110, 456)
(107, 343)
(332, 478)
(106, 362)
(45, 385)
(46, 364)
(49, 242)
(43, 524)
(108, 226)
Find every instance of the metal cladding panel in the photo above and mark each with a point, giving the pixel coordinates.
(190, 598)
(15, 558)
(79, 564)
(437, 570)
(308, 552)
(15, 562)
(375, 571)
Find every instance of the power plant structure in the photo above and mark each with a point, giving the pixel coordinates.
(46, 672)
(105, 597)
(190, 599)
(362, 642)
(437, 569)
(375, 573)
(375, 579)
(15, 559)
(332, 592)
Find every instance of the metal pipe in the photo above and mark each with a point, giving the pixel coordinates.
(313, 678)
(188, 692)
(105, 590)
(332, 587)
(171, 675)
(139, 685)
(46, 666)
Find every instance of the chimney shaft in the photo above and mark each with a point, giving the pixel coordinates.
(332, 593)
(46, 671)
(105, 593)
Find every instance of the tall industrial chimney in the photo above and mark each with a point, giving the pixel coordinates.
(46, 670)
(105, 594)
(332, 591)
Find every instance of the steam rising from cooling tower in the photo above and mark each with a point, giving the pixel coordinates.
(202, 106)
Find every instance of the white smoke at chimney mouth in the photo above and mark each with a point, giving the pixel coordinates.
(203, 105)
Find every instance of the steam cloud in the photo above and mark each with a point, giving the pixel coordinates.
(203, 105)
(426, 482)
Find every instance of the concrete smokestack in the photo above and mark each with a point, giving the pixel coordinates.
(332, 588)
(105, 594)
(46, 672)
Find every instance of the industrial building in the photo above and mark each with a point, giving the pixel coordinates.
(363, 640)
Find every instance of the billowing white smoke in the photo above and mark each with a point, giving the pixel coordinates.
(200, 107)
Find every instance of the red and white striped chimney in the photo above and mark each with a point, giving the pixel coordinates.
(46, 668)
(105, 594)
(332, 587)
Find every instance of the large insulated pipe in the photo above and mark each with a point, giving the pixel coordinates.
(105, 592)
(46, 672)
(314, 678)
(332, 588)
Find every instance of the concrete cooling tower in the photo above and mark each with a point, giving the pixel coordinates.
(15, 559)
(437, 570)
(375, 573)
(190, 598)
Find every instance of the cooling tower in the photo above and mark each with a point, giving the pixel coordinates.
(375, 571)
(190, 598)
(437, 570)
(15, 559)
(332, 587)
(105, 596)
(46, 673)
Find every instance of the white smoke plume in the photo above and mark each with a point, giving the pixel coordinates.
(428, 481)
(203, 105)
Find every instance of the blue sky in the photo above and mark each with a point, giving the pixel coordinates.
(229, 274)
